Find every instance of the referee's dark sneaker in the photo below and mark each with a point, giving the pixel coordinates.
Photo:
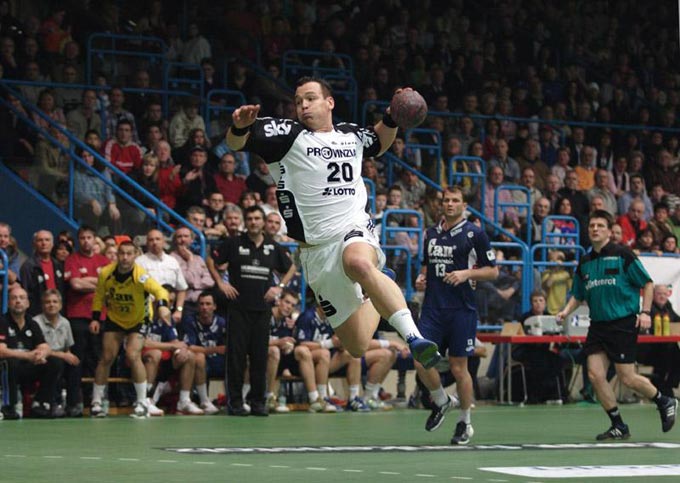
(424, 351)
(438, 414)
(462, 434)
(615, 432)
(667, 411)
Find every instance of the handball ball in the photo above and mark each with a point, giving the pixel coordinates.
(408, 109)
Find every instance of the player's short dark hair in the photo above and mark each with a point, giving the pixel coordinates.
(455, 189)
(538, 293)
(126, 243)
(206, 293)
(661, 205)
(602, 214)
(326, 88)
(291, 293)
(252, 209)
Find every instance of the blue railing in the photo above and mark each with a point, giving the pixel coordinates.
(393, 161)
(408, 266)
(371, 194)
(160, 208)
(555, 237)
(164, 93)
(4, 273)
(387, 232)
(500, 206)
(433, 149)
(231, 101)
(112, 50)
(475, 177)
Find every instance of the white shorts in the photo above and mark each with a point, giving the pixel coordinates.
(338, 296)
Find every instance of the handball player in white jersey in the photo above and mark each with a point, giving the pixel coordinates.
(321, 195)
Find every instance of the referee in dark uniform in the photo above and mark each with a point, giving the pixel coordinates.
(609, 280)
(251, 259)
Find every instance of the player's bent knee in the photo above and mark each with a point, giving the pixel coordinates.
(302, 353)
(358, 268)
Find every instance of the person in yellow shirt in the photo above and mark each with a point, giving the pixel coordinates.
(123, 289)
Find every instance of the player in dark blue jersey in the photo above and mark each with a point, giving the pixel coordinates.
(205, 333)
(456, 254)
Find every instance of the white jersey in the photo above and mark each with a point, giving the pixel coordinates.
(320, 191)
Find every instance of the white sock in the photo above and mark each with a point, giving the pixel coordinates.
(140, 390)
(313, 396)
(465, 416)
(245, 390)
(202, 390)
(268, 395)
(98, 392)
(439, 396)
(184, 396)
(323, 390)
(353, 391)
(160, 387)
(372, 389)
(402, 321)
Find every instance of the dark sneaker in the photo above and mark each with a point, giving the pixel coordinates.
(667, 412)
(462, 434)
(10, 414)
(74, 411)
(357, 405)
(438, 414)
(615, 432)
(259, 410)
(237, 411)
(41, 410)
(424, 351)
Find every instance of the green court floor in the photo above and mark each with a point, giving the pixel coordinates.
(375, 447)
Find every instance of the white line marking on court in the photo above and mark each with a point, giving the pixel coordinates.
(461, 478)
(500, 481)
(204, 462)
(314, 468)
(128, 459)
(15, 456)
(388, 473)
(279, 466)
(353, 471)
(53, 457)
(241, 464)
(423, 475)
(166, 461)
(90, 457)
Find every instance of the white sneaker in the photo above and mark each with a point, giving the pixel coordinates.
(189, 408)
(246, 407)
(140, 410)
(209, 408)
(96, 410)
(281, 407)
(154, 410)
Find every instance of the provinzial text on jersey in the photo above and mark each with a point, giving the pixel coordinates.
(330, 153)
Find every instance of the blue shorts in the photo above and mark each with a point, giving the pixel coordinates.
(215, 366)
(454, 330)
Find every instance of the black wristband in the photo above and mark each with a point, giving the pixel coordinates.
(646, 312)
(96, 314)
(388, 121)
(240, 131)
(163, 303)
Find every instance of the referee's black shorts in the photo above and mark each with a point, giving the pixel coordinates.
(617, 338)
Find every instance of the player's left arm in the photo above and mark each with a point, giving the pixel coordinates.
(161, 296)
(386, 135)
(486, 261)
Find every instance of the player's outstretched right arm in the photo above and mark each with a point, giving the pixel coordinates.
(242, 118)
